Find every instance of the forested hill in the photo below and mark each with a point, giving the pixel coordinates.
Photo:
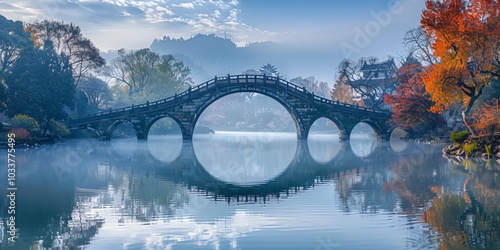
(209, 55)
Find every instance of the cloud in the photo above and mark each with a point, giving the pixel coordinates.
(151, 19)
(184, 5)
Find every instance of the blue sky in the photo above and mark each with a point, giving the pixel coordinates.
(325, 28)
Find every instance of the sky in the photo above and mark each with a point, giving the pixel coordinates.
(353, 29)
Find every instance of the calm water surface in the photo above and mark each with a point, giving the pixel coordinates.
(252, 191)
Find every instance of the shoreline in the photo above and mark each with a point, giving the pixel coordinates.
(474, 148)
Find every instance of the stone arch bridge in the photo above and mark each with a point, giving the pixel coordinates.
(186, 107)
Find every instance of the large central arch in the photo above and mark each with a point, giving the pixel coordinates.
(280, 99)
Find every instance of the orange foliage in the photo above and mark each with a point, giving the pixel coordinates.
(487, 118)
(465, 38)
(411, 103)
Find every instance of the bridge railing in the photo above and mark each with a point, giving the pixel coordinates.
(236, 79)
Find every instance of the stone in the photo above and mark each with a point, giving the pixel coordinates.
(450, 148)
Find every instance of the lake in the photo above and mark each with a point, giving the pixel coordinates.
(251, 191)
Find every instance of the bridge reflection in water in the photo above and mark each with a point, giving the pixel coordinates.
(67, 188)
(243, 167)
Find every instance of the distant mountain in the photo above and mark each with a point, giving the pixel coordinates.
(209, 55)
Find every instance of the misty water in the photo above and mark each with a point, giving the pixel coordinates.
(252, 191)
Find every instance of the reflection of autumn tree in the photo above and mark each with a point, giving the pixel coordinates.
(444, 216)
(470, 219)
(412, 181)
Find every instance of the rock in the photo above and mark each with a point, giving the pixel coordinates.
(458, 152)
(450, 148)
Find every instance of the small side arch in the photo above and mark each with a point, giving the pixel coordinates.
(109, 131)
(340, 126)
(383, 132)
(154, 119)
(95, 131)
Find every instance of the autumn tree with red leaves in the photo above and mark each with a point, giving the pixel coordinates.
(411, 104)
(465, 39)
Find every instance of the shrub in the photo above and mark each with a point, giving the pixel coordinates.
(57, 128)
(21, 133)
(24, 121)
(459, 137)
(470, 147)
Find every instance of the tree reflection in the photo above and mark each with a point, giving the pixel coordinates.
(144, 199)
(469, 219)
(46, 216)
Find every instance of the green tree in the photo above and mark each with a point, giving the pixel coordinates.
(96, 92)
(13, 39)
(42, 91)
(269, 70)
(68, 39)
(143, 75)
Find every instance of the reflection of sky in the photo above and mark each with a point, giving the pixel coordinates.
(310, 220)
(313, 218)
(323, 147)
(165, 148)
(245, 158)
(363, 146)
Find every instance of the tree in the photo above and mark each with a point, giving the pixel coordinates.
(13, 39)
(341, 91)
(419, 46)
(465, 39)
(486, 119)
(96, 91)
(312, 85)
(68, 39)
(42, 91)
(411, 103)
(251, 72)
(370, 78)
(143, 75)
(269, 70)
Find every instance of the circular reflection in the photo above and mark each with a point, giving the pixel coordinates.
(363, 146)
(363, 130)
(124, 147)
(165, 148)
(323, 140)
(245, 158)
(323, 147)
(165, 140)
(398, 144)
